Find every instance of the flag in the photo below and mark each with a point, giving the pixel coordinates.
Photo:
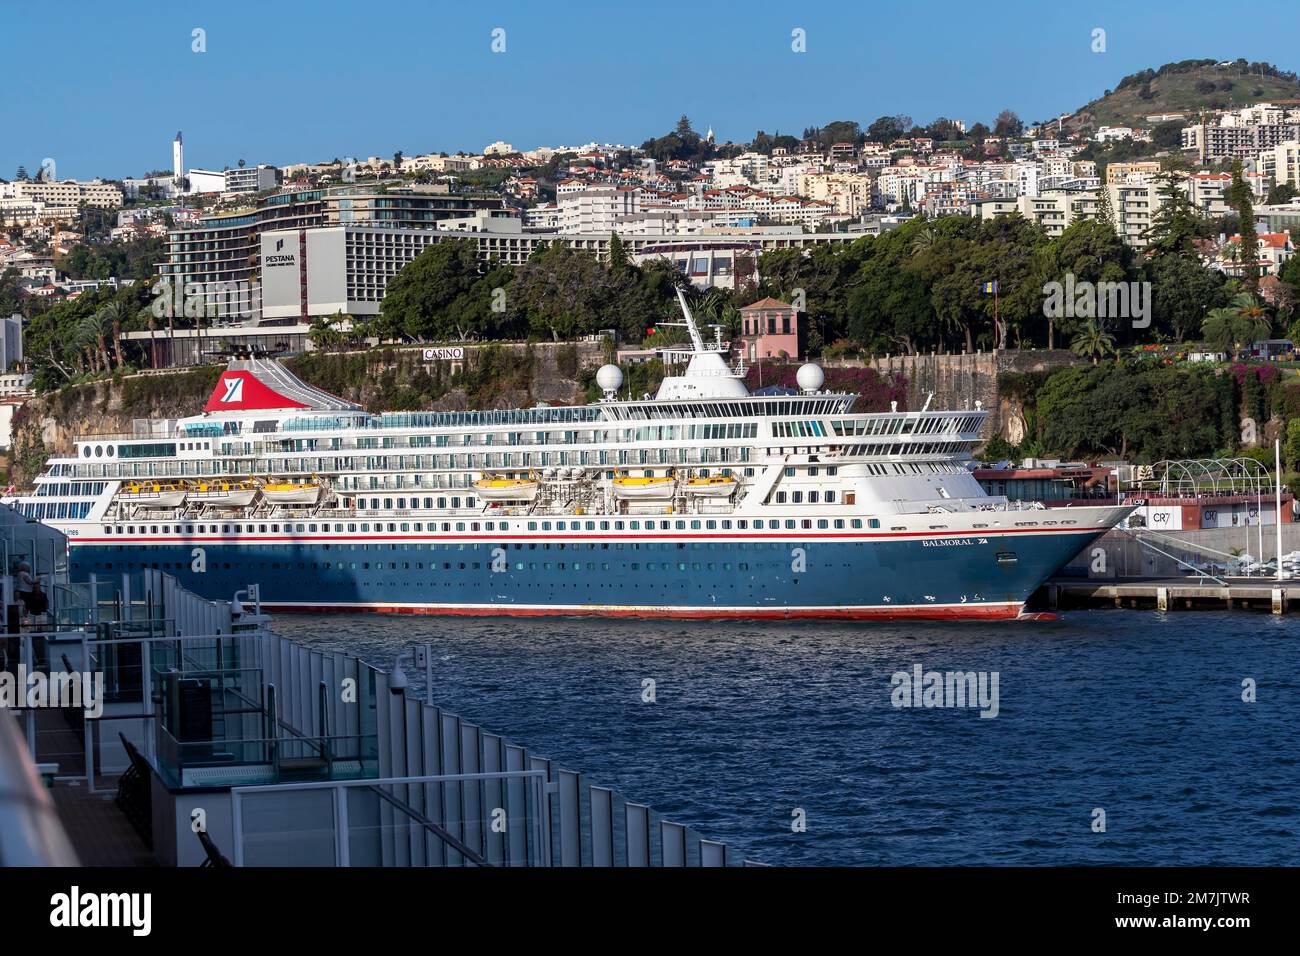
(991, 286)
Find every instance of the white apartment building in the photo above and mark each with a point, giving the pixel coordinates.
(1132, 206)
(849, 193)
(596, 209)
(347, 268)
(30, 212)
(1282, 163)
(249, 179)
(205, 181)
(68, 192)
(1110, 134)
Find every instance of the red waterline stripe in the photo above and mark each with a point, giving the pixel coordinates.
(254, 537)
(1003, 612)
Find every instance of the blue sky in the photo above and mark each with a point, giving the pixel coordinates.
(102, 88)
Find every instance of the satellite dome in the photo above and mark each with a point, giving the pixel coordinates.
(810, 377)
(609, 378)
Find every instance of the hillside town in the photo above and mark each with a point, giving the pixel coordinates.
(282, 257)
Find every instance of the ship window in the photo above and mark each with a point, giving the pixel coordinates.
(789, 524)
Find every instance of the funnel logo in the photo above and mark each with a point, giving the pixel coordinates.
(234, 391)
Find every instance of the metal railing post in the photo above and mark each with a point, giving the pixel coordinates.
(342, 845)
(237, 825)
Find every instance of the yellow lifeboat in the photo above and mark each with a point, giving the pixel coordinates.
(496, 488)
(223, 494)
(291, 493)
(652, 488)
(153, 494)
(715, 486)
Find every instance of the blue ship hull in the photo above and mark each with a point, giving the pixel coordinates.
(955, 576)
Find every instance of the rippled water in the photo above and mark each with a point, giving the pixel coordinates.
(1137, 713)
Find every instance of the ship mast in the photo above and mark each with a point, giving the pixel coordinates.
(697, 340)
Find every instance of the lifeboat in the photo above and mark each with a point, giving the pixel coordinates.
(656, 488)
(153, 494)
(289, 493)
(715, 486)
(223, 494)
(496, 488)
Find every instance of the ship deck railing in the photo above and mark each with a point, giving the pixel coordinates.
(466, 819)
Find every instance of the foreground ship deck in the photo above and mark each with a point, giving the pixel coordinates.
(702, 502)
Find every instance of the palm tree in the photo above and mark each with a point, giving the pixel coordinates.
(115, 315)
(88, 340)
(1245, 319)
(1255, 322)
(1219, 329)
(146, 318)
(1092, 341)
(924, 240)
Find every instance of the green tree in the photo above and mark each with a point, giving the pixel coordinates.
(1281, 194)
(1093, 342)
(1239, 195)
(1175, 223)
(421, 301)
(1242, 321)
(1183, 292)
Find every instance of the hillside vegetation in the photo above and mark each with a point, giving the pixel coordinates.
(1187, 86)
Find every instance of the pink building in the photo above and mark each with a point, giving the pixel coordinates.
(769, 329)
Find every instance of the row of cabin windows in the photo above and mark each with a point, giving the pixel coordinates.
(55, 511)
(694, 524)
(813, 497)
(471, 565)
(543, 546)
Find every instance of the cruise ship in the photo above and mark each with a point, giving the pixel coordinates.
(702, 501)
